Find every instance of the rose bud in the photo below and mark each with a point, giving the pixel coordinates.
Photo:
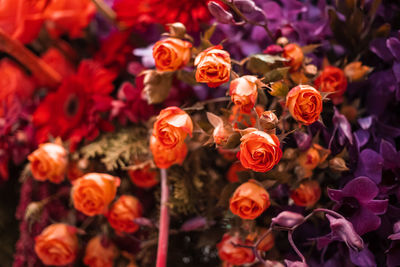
(343, 230)
(172, 126)
(123, 212)
(243, 92)
(49, 162)
(355, 71)
(213, 66)
(244, 119)
(282, 41)
(171, 54)
(338, 164)
(332, 80)
(309, 160)
(232, 254)
(259, 151)
(288, 219)
(273, 49)
(165, 157)
(304, 103)
(93, 192)
(232, 174)
(294, 54)
(222, 131)
(219, 13)
(143, 177)
(268, 120)
(249, 200)
(57, 245)
(100, 254)
(307, 194)
(266, 244)
(246, 6)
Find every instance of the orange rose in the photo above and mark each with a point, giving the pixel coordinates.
(311, 158)
(259, 151)
(266, 244)
(172, 127)
(123, 212)
(49, 162)
(355, 71)
(241, 119)
(213, 66)
(243, 91)
(57, 244)
(14, 84)
(69, 16)
(232, 174)
(332, 80)
(100, 254)
(93, 192)
(234, 254)
(144, 177)
(171, 54)
(249, 200)
(307, 194)
(294, 54)
(304, 103)
(165, 157)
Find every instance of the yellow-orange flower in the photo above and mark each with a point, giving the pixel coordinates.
(294, 54)
(243, 91)
(213, 66)
(93, 192)
(171, 54)
(57, 245)
(304, 103)
(123, 212)
(49, 162)
(259, 151)
(307, 194)
(100, 254)
(249, 200)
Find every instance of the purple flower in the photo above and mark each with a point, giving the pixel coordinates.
(288, 219)
(356, 201)
(344, 231)
(393, 253)
(363, 258)
(370, 164)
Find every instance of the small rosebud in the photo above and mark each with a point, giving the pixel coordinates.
(338, 164)
(273, 49)
(219, 13)
(311, 70)
(177, 29)
(268, 120)
(288, 219)
(344, 230)
(282, 41)
(245, 6)
(33, 211)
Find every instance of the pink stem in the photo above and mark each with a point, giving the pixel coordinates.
(164, 222)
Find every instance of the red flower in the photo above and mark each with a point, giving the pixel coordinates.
(55, 59)
(73, 111)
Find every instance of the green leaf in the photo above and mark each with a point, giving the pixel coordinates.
(276, 74)
(263, 63)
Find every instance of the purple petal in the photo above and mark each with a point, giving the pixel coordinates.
(378, 207)
(390, 155)
(362, 137)
(361, 188)
(365, 221)
(378, 46)
(396, 71)
(395, 236)
(370, 164)
(335, 195)
(366, 122)
(393, 44)
(364, 258)
(288, 219)
(393, 255)
(323, 241)
(194, 224)
(343, 125)
(303, 140)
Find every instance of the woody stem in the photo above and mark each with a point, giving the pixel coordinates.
(43, 72)
(162, 250)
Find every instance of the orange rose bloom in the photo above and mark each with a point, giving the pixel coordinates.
(355, 71)
(332, 80)
(97, 255)
(233, 254)
(49, 162)
(144, 178)
(172, 127)
(22, 19)
(171, 54)
(123, 212)
(304, 103)
(294, 54)
(14, 84)
(249, 200)
(69, 16)
(307, 194)
(213, 66)
(232, 174)
(93, 192)
(57, 244)
(259, 151)
(244, 119)
(165, 157)
(309, 160)
(243, 91)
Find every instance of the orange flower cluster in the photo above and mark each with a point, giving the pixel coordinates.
(167, 142)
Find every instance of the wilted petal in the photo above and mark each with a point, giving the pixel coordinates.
(370, 164)
(343, 230)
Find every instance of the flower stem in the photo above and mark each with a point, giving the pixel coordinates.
(164, 222)
(40, 69)
(290, 238)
